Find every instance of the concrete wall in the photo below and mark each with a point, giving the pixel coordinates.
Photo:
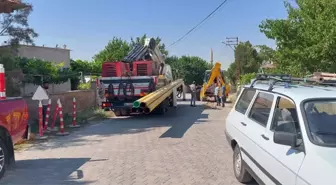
(29, 89)
(57, 55)
(85, 99)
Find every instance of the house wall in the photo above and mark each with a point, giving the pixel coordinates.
(57, 55)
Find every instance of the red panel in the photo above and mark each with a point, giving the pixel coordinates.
(115, 69)
(142, 68)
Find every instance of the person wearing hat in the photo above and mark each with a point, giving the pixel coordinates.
(193, 94)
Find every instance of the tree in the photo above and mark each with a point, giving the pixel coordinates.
(266, 53)
(192, 68)
(15, 26)
(248, 58)
(232, 73)
(175, 64)
(115, 50)
(141, 40)
(306, 40)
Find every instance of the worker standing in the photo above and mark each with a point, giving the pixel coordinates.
(217, 94)
(223, 98)
(193, 94)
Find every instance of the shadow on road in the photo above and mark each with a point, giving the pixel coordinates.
(46, 171)
(179, 120)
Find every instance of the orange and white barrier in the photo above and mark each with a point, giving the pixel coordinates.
(53, 128)
(40, 114)
(74, 114)
(61, 132)
(47, 117)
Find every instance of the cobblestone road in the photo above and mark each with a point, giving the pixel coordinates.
(186, 146)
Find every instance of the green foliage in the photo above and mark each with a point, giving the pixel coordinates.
(115, 50)
(141, 40)
(246, 78)
(232, 73)
(249, 59)
(190, 68)
(36, 70)
(306, 39)
(15, 27)
(84, 86)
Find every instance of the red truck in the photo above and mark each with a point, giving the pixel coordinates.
(137, 75)
(13, 128)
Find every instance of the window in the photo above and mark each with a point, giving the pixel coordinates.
(321, 116)
(285, 116)
(245, 100)
(261, 108)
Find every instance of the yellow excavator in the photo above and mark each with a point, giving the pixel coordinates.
(211, 78)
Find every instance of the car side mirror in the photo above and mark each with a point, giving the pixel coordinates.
(284, 138)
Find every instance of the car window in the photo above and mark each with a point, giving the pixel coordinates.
(285, 116)
(245, 100)
(321, 116)
(261, 108)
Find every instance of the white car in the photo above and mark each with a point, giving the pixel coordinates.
(283, 133)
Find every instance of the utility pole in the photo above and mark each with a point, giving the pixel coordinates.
(211, 57)
(233, 41)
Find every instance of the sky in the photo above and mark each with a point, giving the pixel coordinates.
(86, 26)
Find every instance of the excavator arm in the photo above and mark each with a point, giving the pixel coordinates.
(214, 74)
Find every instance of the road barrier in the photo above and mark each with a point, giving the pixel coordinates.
(53, 128)
(40, 123)
(60, 110)
(2, 83)
(40, 114)
(47, 117)
(74, 114)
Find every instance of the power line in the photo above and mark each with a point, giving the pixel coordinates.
(206, 18)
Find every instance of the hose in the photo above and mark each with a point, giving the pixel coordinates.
(121, 87)
(130, 86)
(110, 91)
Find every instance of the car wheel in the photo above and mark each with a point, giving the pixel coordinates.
(3, 158)
(239, 169)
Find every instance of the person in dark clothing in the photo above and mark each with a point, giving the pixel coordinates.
(223, 98)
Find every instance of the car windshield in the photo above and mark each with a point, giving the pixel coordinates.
(321, 118)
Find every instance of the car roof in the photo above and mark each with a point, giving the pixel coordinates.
(299, 92)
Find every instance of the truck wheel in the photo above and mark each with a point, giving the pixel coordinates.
(3, 158)
(124, 112)
(117, 112)
(239, 169)
(161, 109)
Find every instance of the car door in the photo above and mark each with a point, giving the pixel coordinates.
(283, 162)
(235, 123)
(257, 120)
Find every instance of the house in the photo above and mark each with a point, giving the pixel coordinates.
(54, 54)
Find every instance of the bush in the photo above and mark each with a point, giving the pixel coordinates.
(84, 86)
(246, 78)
